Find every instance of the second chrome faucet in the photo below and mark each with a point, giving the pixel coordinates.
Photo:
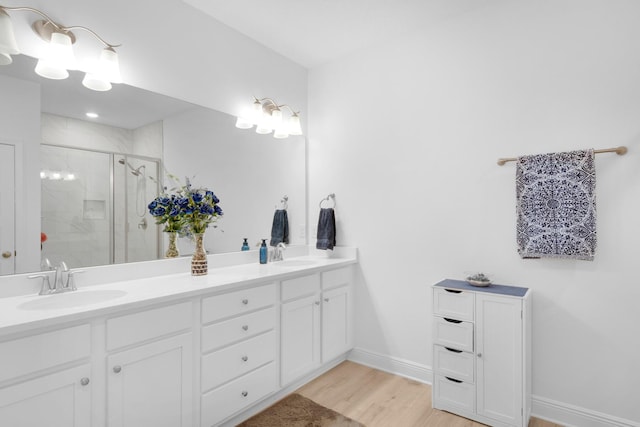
(62, 280)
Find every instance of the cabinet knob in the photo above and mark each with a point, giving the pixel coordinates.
(245, 328)
(245, 393)
(245, 301)
(479, 354)
(245, 358)
(326, 300)
(117, 369)
(6, 254)
(84, 381)
(317, 302)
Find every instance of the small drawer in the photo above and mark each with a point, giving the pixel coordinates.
(146, 325)
(231, 362)
(34, 353)
(453, 363)
(234, 303)
(453, 303)
(451, 393)
(300, 286)
(454, 334)
(335, 278)
(237, 395)
(237, 328)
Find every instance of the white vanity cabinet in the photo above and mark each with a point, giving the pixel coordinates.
(481, 352)
(149, 368)
(316, 321)
(239, 360)
(47, 379)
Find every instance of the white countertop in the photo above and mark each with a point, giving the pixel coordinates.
(26, 312)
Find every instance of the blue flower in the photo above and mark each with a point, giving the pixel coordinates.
(217, 210)
(197, 197)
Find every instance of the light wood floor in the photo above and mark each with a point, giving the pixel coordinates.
(379, 399)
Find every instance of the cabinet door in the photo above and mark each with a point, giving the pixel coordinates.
(61, 399)
(336, 322)
(300, 335)
(151, 385)
(499, 358)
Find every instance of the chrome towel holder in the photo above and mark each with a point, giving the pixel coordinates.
(332, 198)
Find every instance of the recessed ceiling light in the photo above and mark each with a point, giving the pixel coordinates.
(92, 115)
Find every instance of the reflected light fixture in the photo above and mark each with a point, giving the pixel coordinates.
(266, 115)
(58, 57)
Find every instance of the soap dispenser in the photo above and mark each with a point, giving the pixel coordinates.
(245, 245)
(263, 252)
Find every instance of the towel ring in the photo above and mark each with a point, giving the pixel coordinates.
(284, 202)
(330, 197)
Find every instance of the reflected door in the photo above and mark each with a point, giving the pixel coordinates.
(7, 209)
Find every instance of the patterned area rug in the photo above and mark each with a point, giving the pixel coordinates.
(298, 411)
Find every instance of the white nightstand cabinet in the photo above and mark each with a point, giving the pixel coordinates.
(481, 352)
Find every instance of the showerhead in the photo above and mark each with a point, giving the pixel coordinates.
(134, 171)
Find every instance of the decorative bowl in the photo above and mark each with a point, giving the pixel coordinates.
(481, 283)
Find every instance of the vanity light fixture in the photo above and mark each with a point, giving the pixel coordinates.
(58, 57)
(266, 115)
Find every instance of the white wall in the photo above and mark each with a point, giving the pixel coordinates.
(407, 135)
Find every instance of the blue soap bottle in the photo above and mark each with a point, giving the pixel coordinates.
(245, 245)
(263, 252)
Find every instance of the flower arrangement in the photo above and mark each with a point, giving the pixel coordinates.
(188, 211)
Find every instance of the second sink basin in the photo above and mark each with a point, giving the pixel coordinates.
(72, 299)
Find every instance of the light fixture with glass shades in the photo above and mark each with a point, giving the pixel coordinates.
(266, 115)
(59, 58)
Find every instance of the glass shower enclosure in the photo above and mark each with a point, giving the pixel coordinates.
(94, 207)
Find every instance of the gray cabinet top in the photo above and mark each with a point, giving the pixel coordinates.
(463, 285)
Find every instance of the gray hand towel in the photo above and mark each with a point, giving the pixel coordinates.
(280, 228)
(326, 229)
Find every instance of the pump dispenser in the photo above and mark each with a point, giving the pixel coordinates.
(245, 245)
(263, 252)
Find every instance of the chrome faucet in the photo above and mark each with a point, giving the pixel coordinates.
(60, 282)
(277, 252)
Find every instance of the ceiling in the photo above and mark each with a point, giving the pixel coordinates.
(315, 32)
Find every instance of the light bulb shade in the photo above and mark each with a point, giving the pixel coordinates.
(5, 59)
(96, 82)
(57, 59)
(281, 132)
(276, 119)
(294, 125)
(109, 65)
(264, 125)
(256, 112)
(243, 123)
(8, 45)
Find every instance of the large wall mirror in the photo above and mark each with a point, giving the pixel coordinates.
(97, 175)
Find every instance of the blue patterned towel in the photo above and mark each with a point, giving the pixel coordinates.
(556, 205)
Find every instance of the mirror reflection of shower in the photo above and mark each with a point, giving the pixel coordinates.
(100, 216)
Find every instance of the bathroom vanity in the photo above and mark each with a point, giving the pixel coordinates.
(174, 350)
(482, 352)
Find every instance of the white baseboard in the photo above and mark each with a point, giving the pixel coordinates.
(543, 408)
(570, 415)
(393, 365)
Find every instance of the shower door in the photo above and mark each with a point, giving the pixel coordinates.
(94, 207)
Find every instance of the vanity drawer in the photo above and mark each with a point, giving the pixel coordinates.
(234, 303)
(146, 325)
(453, 303)
(454, 363)
(236, 360)
(454, 334)
(30, 354)
(237, 328)
(300, 286)
(335, 278)
(237, 395)
(454, 394)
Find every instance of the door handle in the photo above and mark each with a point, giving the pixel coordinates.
(6, 254)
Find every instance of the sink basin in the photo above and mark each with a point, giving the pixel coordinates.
(295, 263)
(72, 299)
